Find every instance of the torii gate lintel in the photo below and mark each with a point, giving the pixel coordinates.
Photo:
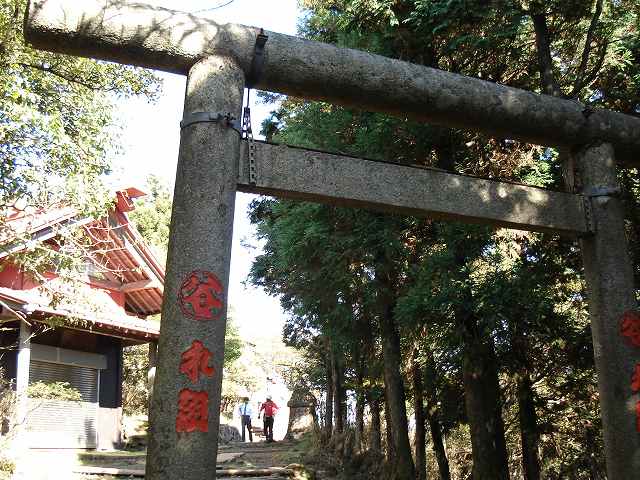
(173, 41)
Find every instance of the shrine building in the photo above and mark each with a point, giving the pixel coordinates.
(75, 333)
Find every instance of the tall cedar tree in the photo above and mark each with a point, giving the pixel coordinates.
(503, 312)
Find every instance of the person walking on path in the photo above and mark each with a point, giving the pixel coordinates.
(245, 417)
(270, 410)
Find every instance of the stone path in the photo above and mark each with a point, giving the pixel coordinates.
(261, 455)
(256, 461)
(126, 466)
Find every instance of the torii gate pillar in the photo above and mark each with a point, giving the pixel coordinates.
(615, 324)
(184, 417)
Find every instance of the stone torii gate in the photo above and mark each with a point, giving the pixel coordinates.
(214, 163)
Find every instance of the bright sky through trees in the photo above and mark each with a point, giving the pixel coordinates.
(151, 137)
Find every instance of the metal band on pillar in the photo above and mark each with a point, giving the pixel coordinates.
(225, 119)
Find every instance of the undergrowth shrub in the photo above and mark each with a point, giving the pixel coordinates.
(7, 425)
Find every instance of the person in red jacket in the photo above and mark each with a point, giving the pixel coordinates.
(270, 410)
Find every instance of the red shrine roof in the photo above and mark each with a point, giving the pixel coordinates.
(124, 326)
(124, 279)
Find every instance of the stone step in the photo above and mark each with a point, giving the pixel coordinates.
(254, 473)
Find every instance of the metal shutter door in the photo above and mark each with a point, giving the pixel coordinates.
(63, 424)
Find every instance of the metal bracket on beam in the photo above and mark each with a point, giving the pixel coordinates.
(257, 63)
(225, 119)
(247, 164)
(595, 192)
(588, 216)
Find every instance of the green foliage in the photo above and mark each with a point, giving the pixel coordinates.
(58, 133)
(9, 426)
(53, 391)
(7, 466)
(233, 344)
(135, 382)
(255, 360)
(57, 129)
(152, 216)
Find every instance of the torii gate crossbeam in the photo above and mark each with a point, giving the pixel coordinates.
(299, 173)
(216, 58)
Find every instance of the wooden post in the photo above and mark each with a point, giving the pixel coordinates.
(151, 373)
(21, 444)
(612, 307)
(185, 409)
(22, 373)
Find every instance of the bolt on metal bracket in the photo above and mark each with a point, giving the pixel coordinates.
(588, 194)
(588, 216)
(247, 164)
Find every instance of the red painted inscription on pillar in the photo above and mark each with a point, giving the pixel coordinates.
(200, 296)
(196, 361)
(630, 327)
(635, 380)
(193, 411)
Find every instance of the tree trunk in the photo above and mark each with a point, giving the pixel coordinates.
(528, 428)
(328, 416)
(359, 423)
(360, 401)
(526, 405)
(421, 434)
(483, 404)
(481, 387)
(395, 395)
(375, 434)
(545, 60)
(339, 393)
(388, 431)
(438, 447)
(432, 417)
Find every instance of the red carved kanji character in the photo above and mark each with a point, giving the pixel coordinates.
(200, 296)
(638, 417)
(193, 411)
(635, 380)
(630, 327)
(195, 361)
